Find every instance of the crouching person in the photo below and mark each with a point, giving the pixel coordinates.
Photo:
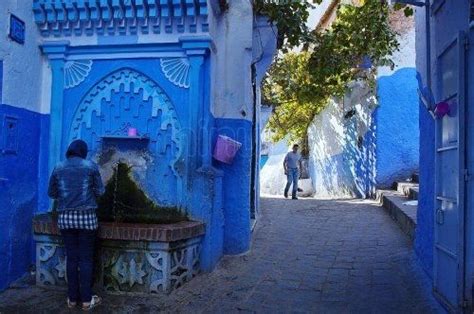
(75, 184)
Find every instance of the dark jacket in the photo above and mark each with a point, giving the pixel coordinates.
(76, 183)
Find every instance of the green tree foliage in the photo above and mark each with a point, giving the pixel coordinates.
(291, 89)
(290, 16)
(299, 85)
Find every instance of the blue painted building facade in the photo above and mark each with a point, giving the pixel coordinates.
(160, 67)
(444, 239)
(21, 121)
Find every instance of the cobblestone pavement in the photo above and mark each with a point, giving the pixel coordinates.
(307, 256)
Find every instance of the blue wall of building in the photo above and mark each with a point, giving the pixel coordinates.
(236, 186)
(356, 147)
(44, 201)
(449, 18)
(359, 156)
(397, 147)
(425, 215)
(20, 145)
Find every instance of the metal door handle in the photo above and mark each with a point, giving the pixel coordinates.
(440, 216)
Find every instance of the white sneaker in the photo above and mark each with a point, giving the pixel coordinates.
(70, 304)
(95, 301)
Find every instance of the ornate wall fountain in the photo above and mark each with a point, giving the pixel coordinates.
(127, 66)
(179, 73)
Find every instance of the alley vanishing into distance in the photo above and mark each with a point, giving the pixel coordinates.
(307, 256)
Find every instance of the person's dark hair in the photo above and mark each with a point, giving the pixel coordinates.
(296, 145)
(77, 148)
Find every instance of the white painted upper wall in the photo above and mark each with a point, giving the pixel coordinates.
(22, 64)
(405, 57)
(231, 87)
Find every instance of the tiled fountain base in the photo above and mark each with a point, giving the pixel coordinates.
(130, 258)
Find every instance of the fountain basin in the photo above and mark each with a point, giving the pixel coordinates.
(130, 257)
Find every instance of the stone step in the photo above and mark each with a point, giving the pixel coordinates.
(395, 204)
(404, 188)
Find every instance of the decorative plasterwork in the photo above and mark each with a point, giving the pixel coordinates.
(131, 272)
(50, 264)
(67, 17)
(138, 267)
(97, 103)
(75, 72)
(176, 70)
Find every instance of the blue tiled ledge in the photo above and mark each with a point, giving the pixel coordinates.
(78, 17)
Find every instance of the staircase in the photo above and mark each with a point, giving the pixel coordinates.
(402, 204)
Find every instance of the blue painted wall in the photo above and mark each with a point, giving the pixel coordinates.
(333, 174)
(123, 107)
(19, 196)
(236, 186)
(1, 80)
(397, 147)
(424, 233)
(342, 164)
(450, 18)
(425, 216)
(220, 196)
(44, 201)
(359, 157)
(207, 205)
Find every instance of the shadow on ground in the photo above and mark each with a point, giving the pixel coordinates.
(307, 256)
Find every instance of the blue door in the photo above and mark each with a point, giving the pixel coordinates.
(450, 176)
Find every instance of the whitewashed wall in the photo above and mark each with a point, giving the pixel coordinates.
(272, 175)
(22, 64)
(231, 73)
(335, 155)
(339, 168)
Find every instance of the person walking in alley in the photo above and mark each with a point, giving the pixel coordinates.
(292, 166)
(75, 184)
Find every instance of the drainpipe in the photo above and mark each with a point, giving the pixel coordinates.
(255, 134)
(253, 172)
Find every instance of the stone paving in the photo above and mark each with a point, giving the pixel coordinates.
(307, 256)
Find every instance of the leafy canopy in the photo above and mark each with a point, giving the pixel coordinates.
(300, 84)
(290, 16)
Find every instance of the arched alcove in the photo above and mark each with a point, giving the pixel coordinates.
(128, 99)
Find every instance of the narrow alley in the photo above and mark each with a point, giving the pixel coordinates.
(307, 256)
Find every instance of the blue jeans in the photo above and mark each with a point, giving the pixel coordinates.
(292, 178)
(79, 263)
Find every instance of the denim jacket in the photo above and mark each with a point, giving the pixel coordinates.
(76, 184)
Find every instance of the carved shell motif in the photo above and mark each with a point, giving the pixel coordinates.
(176, 70)
(75, 72)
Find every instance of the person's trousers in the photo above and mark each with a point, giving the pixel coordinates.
(79, 245)
(292, 178)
